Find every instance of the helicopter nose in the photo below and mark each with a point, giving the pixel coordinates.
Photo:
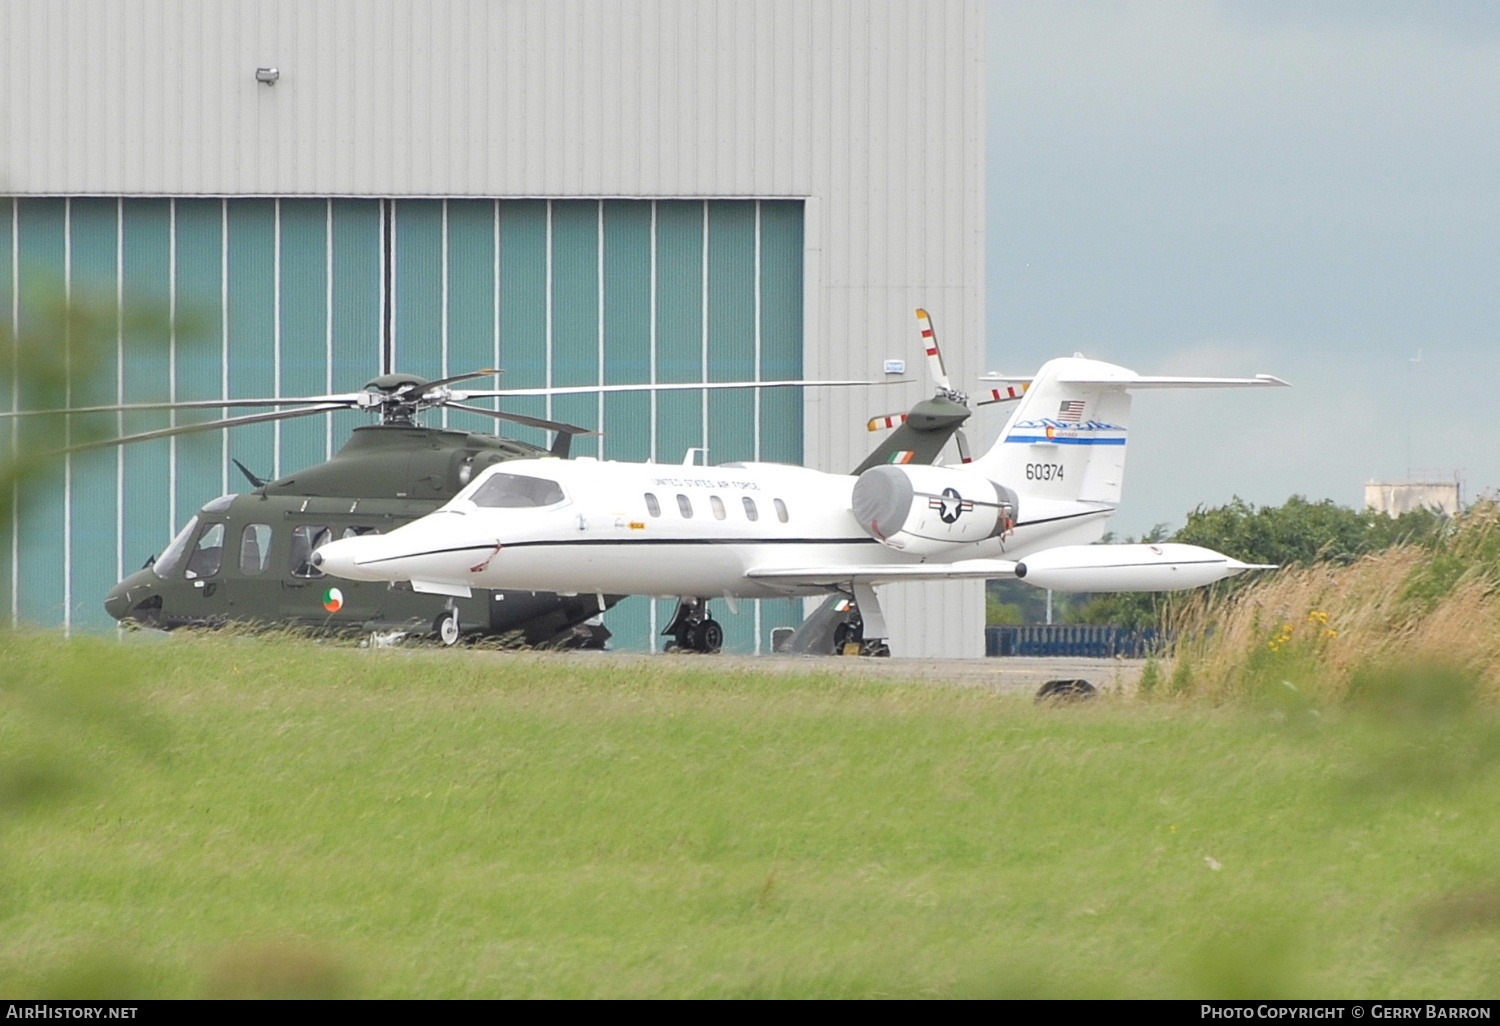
(117, 602)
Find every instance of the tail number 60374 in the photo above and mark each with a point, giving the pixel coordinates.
(1044, 472)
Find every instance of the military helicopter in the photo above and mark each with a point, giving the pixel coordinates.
(245, 558)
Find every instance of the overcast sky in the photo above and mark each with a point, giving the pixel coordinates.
(1307, 188)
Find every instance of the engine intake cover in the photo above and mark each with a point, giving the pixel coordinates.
(931, 510)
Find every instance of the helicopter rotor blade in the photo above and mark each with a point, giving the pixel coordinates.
(1004, 395)
(187, 404)
(502, 393)
(452, 378)
(521, 418)
(209, 425)
(962, 440)
(934, 354)
(889, 420)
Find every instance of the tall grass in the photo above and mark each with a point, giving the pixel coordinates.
(1320, 630)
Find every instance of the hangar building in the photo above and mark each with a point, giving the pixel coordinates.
(577, 191)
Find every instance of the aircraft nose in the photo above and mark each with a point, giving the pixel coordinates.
(341, 559)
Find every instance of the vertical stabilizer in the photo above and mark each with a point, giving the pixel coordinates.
(1066, 438)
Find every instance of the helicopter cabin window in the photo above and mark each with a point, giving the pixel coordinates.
(359, 532)
(305, 540)
(684, 506)
(255, 548)
(781, 513)
(171, 557)
(208, 556)
(652, 506)
(718, 506)
(751, 513)
(514, 491)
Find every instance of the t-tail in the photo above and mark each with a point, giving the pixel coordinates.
(1067, 437)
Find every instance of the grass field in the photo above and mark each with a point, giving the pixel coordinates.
(237, 816)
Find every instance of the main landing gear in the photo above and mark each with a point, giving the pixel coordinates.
(692, 629)
(849, 638)
(863, 631)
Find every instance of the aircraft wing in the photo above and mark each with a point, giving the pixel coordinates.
(883, 573)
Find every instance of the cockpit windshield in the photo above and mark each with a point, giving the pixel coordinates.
(513, 490)
(171, 557)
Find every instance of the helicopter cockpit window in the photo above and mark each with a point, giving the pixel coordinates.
(171, 557)
(305, 540)
(513, 490)
(255, 548)
(208, 556)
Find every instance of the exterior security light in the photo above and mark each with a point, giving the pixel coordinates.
(267, 76)
(895, 366)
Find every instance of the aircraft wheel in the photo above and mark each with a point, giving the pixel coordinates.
(1066, 691)
(708, 636)
(446, 626)
(879, 649)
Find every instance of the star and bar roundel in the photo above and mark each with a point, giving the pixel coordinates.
(950, 505)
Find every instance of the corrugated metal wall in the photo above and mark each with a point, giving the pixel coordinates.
(287, 297)
(869, 111)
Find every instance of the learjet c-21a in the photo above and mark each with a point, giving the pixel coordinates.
(1029, 508)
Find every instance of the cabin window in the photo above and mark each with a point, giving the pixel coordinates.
(652, 506)
(305, 540)
(781, 513)
(684, 506)
(718, 506)
(208, 556)
(359, 532)
(255, 548)
(751, 513)
(512, 491)
(171, 557)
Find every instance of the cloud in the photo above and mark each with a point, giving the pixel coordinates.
(1307, 190)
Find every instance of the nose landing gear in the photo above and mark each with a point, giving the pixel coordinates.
(446, 626)
(692, 628)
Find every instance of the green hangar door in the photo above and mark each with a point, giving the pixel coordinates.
(303, 296)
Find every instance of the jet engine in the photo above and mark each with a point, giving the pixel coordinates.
(931, 510)
(1164, 567)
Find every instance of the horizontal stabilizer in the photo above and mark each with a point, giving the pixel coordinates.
(877, 573)
(1130, 379)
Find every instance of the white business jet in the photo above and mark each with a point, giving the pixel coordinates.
(1029, 508)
